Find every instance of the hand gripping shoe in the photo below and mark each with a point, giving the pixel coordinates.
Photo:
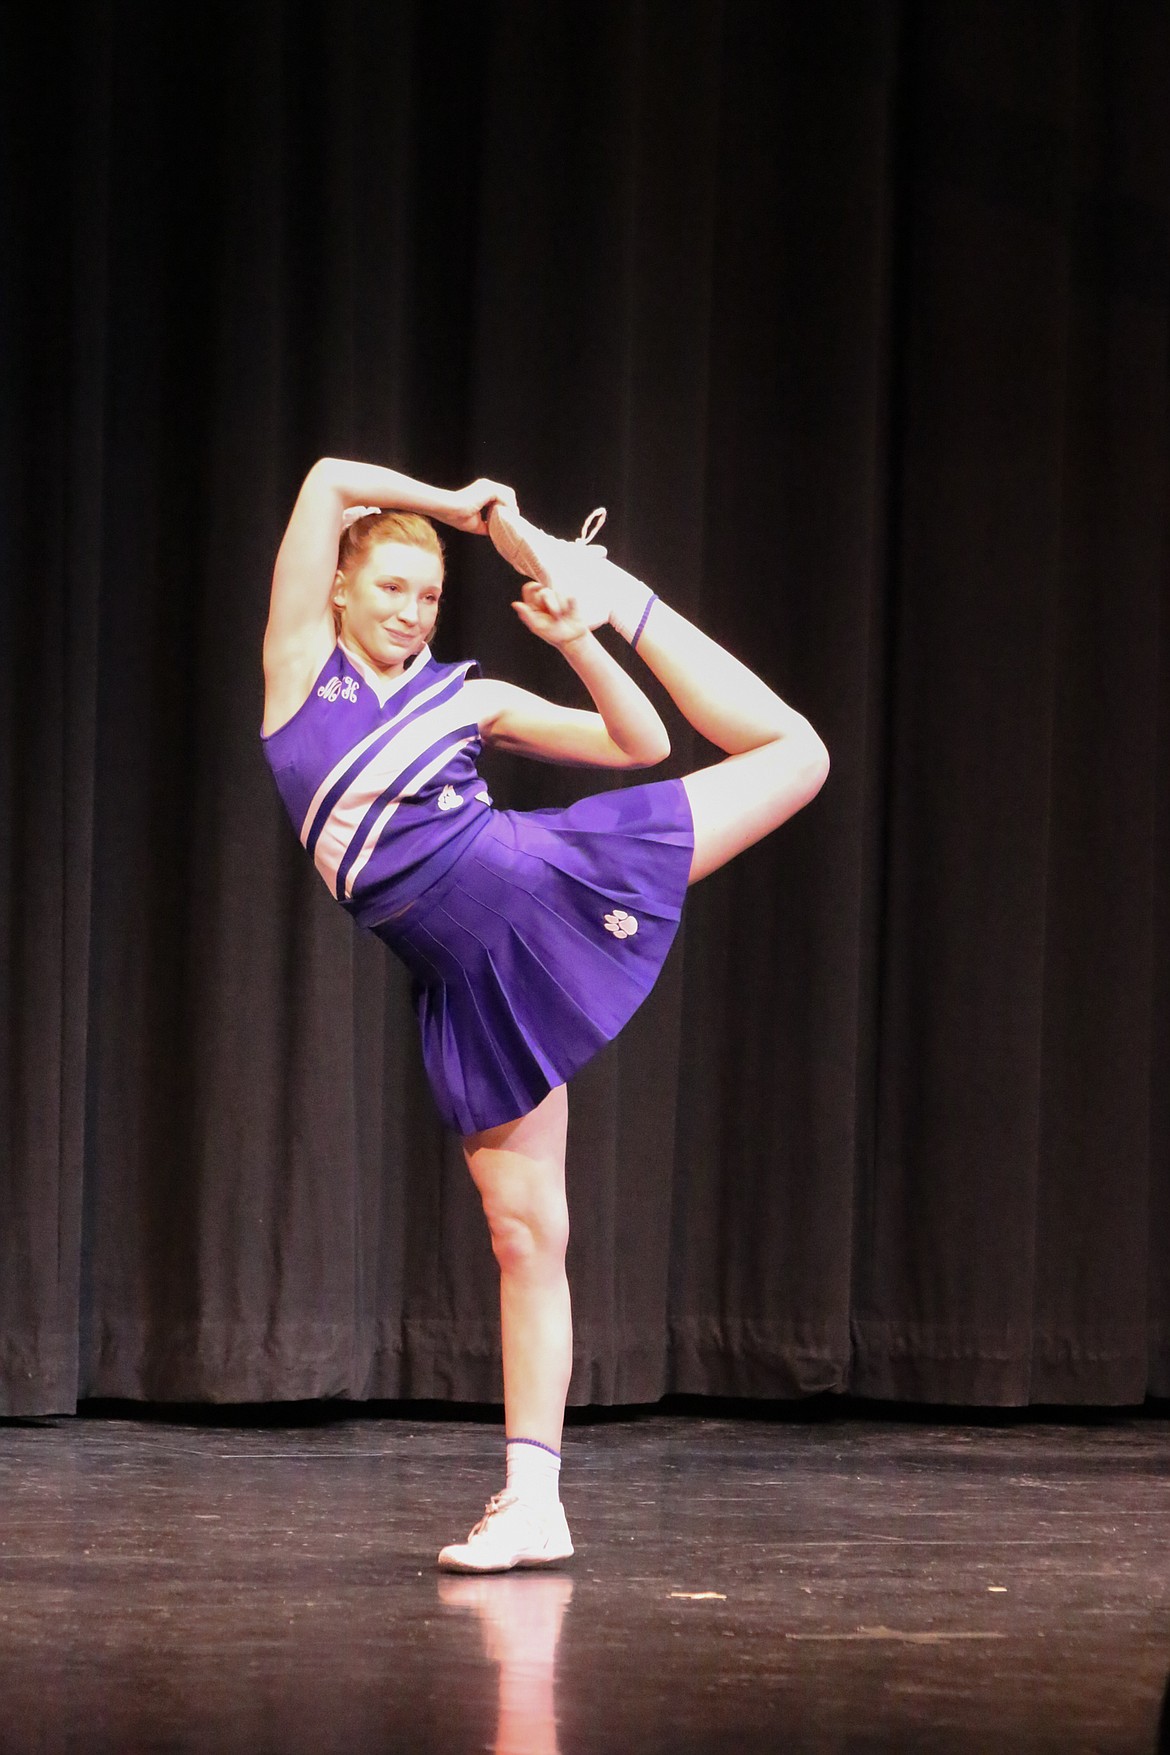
(602, 591)
(567, 569)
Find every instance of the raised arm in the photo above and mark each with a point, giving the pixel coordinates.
(624, 732)
(299, 635)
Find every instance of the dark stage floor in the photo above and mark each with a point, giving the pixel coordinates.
(740, 1585)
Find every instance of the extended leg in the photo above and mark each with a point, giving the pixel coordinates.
(775, 761)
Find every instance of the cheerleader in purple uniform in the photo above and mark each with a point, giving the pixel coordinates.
(531, 936)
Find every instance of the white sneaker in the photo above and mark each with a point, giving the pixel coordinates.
(531, 550)
(510, 1534)
(601, 591)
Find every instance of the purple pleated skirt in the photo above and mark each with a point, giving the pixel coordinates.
(532, 951)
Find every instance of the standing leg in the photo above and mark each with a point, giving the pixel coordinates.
(519, 1170)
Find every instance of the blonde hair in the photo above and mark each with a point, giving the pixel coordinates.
(358, 538)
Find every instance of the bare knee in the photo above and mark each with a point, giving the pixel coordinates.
(743, 798)
(519, 1170)
(529, 1236)
(800, 763)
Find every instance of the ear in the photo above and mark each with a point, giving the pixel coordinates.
(337, 595)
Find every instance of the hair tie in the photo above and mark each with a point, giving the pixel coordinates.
(353, 513)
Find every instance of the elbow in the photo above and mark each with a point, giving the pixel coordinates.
(327, 472)
(650, 751)
(334, 475)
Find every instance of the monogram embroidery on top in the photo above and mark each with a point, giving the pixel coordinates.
(340, 689)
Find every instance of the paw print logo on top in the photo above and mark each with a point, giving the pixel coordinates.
(449, 799)
(621, 924)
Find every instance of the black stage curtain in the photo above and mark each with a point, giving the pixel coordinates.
(855, 316)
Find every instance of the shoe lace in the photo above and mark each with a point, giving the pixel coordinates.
(497, 1502)
(592, 524)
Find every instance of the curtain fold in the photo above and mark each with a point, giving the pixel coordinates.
(856, 320)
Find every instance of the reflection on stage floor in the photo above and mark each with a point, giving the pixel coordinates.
(266, 1583)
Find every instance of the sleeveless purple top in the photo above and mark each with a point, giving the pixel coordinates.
(380, 779)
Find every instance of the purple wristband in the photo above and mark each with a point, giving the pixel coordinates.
(650, 602)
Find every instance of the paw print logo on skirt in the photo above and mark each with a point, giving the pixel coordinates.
(621, 924)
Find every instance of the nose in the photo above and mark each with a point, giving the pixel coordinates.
(408, 613)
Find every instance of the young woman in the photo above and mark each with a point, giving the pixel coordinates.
(531, 936)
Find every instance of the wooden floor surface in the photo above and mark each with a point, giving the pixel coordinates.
(740, 1585)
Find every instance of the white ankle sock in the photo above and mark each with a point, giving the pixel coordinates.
(534, 1473)
(629, 600)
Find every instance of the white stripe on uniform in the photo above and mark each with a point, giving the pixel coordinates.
(351, 756)
(414, 740)
(383, 817)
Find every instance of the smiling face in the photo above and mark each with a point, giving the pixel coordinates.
(387, 606)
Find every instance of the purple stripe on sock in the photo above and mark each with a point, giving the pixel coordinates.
(638, 630)
(536, 1444)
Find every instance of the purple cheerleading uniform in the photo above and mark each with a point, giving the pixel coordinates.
(530, 936)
